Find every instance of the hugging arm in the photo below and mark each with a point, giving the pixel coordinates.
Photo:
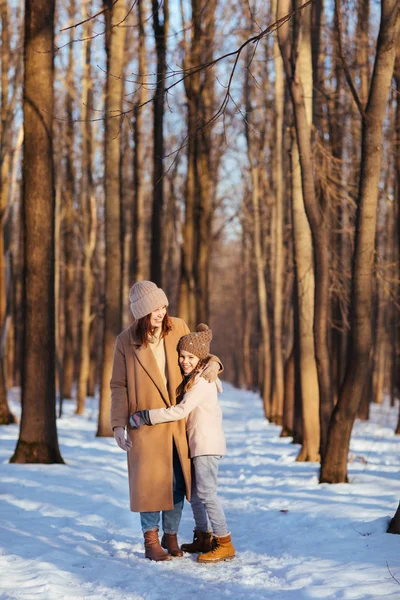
(191, 400)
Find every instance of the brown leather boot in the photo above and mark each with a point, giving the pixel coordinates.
(169, 541)
(201, 542)
(152, 547)
(222, 549)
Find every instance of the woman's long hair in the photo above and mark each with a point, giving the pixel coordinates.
(144, 330)
(188, 380)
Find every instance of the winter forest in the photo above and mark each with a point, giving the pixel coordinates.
(245, 157)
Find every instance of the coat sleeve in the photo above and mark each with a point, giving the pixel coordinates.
(191, 400)
(119, 391)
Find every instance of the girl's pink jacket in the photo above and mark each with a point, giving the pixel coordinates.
(204, 418)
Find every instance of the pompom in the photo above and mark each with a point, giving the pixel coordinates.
(202, 327)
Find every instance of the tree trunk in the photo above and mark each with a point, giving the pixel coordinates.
(37, 441)
(6, 416)
(138, 232)
(89, 215)
(206, 167)
(289, 397)
(160, 27)
(334, 466)
(298, 68)
(278, 373)
(115, 44)
(68, 229)
(394, 526)
(187, 289)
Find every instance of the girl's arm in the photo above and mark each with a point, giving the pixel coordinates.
(195, 396)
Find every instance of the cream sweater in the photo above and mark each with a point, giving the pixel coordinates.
(157, 347)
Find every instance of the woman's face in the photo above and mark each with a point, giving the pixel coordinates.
(157, 316)
(187, 361)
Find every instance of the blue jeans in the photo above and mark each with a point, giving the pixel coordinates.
(170, 518)
(206, 505)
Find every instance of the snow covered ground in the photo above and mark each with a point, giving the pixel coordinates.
(66, 532)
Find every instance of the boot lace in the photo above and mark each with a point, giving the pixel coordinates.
(214, 544)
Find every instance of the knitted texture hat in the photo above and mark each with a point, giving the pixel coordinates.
(197, 343)
(145, 297)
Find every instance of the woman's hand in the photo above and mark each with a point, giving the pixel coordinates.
(123, 442)
(211, 371)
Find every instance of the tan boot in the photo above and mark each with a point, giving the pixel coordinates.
(169, 541)
(152, 547)
(222, 549)
(201, 542)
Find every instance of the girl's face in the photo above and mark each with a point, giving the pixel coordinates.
(156, 317)
(187, 361)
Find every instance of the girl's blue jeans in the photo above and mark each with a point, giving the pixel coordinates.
(206, 505)
(170, 518)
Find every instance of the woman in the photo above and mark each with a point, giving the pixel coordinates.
(145, 375)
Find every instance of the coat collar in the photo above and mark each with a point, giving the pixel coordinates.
(146, 358)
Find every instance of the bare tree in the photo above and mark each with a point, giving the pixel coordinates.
(334, 465)
(6, 416)
(89, 220)
(38, 433)
(115, 44)
(138, 229)
(68, 223)
(296, 54)
(160, 27)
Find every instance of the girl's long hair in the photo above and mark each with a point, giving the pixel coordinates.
(144, 330)
(188, 380)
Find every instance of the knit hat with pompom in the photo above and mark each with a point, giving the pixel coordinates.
(198, 342)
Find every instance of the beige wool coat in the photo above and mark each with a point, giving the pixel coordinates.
(137, 384)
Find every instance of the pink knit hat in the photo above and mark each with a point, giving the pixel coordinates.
(145, 297)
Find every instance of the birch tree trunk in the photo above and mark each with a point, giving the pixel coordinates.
(37, 441)
(115, 44)
(334, 466)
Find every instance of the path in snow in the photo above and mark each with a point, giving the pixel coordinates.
(66, 532)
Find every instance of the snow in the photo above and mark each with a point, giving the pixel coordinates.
(66, 532)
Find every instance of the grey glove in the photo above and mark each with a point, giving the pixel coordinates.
(139, 418)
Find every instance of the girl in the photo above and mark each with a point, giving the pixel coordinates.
(197, 400)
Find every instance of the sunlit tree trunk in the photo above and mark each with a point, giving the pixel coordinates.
(205, 167)
(88, 229)
(334, 466)
(278, 372)
(37, 441)
(160, 28)
(298, 67)
(265, 353)
(192, 54)
(138, 231)
(115, 44)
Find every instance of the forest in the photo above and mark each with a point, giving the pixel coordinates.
(245, 157)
